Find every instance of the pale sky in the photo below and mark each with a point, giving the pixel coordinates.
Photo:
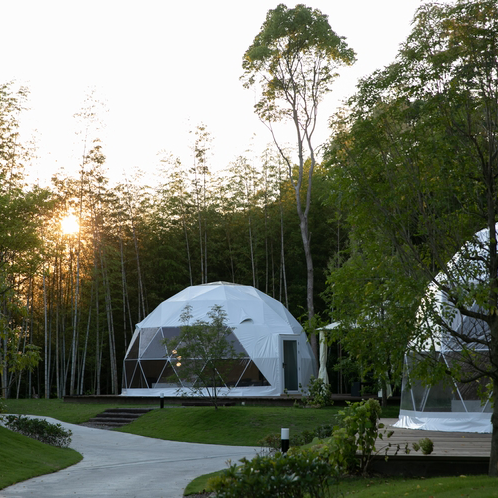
(163, 68)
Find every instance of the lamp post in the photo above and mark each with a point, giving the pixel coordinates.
(284, 439)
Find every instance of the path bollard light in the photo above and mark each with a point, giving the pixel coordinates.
(284, 437)
(161, 396)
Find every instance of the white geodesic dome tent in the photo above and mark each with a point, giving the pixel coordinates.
(276, 356)
(451, 405)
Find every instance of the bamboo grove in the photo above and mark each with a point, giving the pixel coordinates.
(71, 298)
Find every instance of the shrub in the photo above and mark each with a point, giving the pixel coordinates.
(318, 394)
(352, 444)
(299, 473)
(426, 445)
(344, 449)
(361, 422)
(40, 429)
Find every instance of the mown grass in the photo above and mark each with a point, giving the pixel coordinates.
(379, 487)
(23, 458)
(234, 425)
(72, 413)
(440, 487)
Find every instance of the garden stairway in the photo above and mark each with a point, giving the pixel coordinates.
(116, 417)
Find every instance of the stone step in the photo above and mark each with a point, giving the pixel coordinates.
(112, 420)
(124, 414)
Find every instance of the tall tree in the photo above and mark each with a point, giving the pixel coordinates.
(420, 155)
(294, 60)
(21, 250)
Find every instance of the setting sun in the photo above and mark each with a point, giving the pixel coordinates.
(69, 224)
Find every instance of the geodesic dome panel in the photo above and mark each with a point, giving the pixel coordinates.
(263, 332)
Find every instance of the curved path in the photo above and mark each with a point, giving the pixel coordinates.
(116, 464)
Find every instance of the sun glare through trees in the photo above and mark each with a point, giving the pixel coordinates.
(69, 224)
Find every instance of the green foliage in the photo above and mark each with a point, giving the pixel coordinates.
(294, 57)
(40, 429)
(13, 360)
(426, 445)
(348, 448)
(416, 159)
(318, 394)
(352, 444)
(361, 425)
(305, 472)
(204, 352)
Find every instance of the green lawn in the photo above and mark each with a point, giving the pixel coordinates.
(23, 458)
(437, 487)
(234, 425)
(72, 413)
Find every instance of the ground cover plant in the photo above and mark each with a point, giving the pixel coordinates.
(23, 458)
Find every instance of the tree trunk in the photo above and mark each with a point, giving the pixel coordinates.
(46, 362)
(110, 326)
(309, 280)
(283, 284)
(493, 458)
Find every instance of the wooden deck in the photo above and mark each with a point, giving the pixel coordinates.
(455, 453)
(462, 444)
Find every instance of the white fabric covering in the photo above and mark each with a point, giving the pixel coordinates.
(445, 421)
(260, 324)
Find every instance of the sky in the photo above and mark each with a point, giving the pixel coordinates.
(162, 68)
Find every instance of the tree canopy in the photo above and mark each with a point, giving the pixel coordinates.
(417, 160)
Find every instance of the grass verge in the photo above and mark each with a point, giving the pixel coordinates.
(440, 487)
(381, 487)
(23, 458)
(72, 413)
(234, 425)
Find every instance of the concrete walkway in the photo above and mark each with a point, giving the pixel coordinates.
(116, 464)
